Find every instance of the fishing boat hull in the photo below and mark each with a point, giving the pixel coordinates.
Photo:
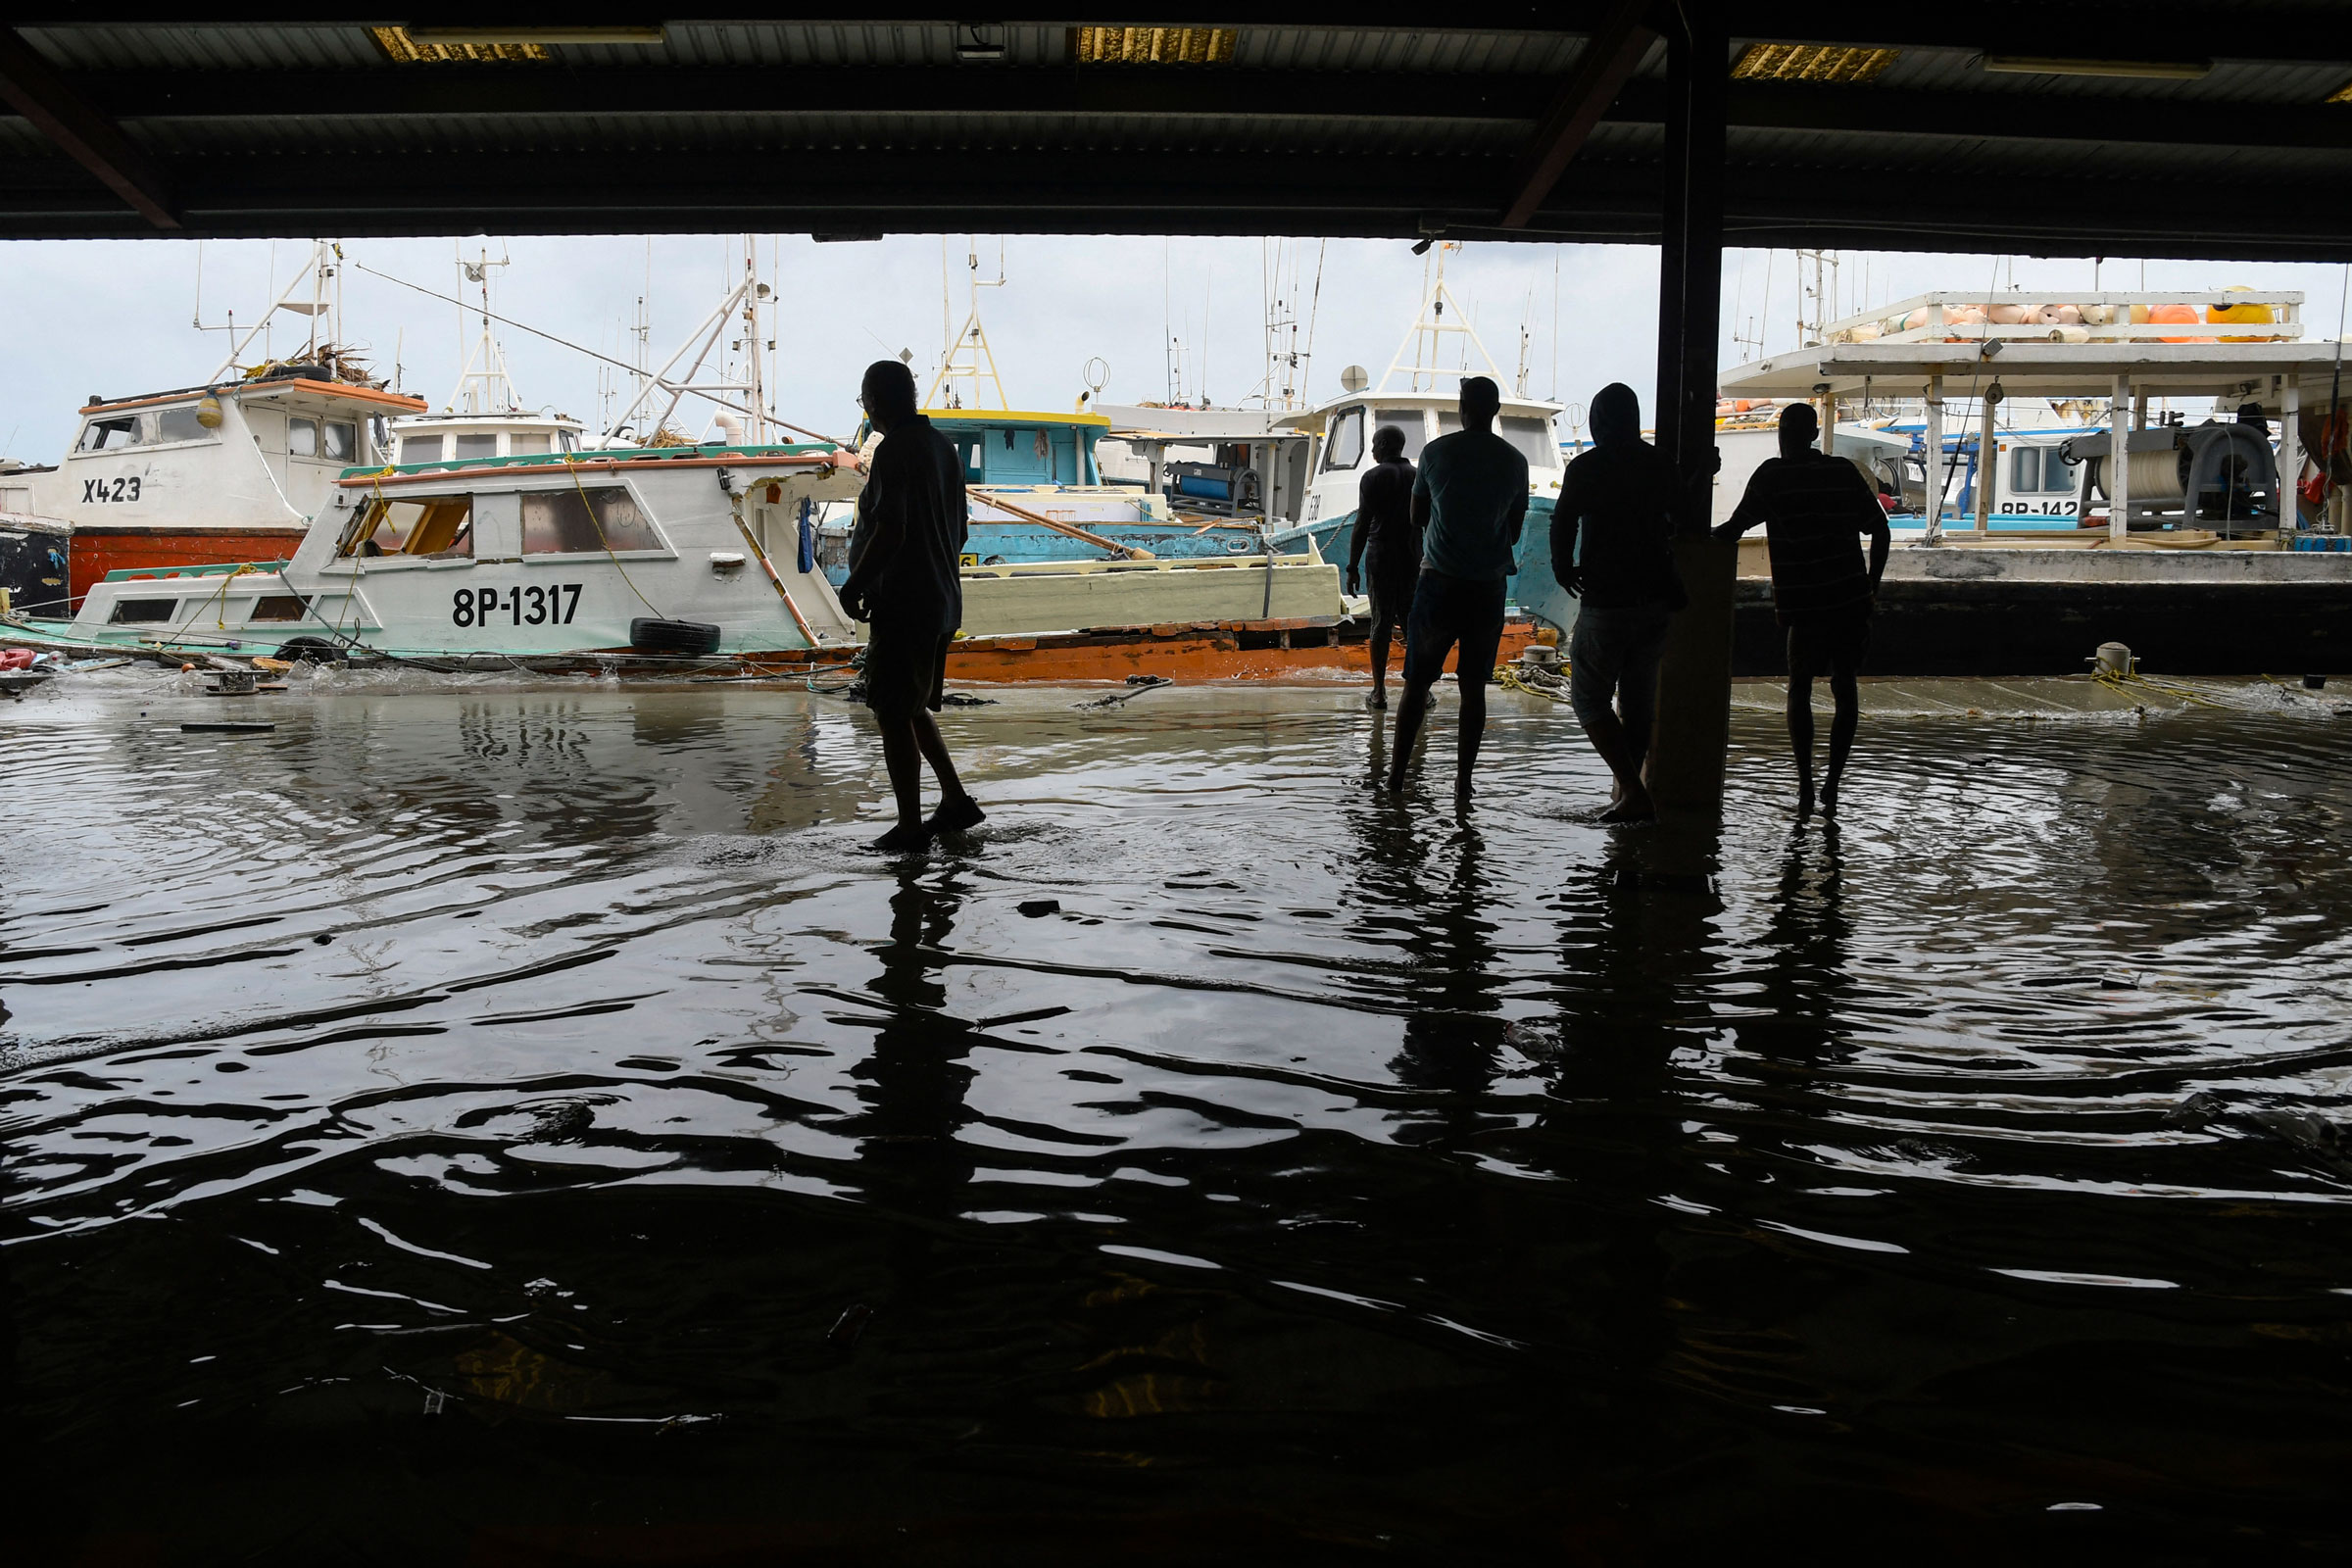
(1533, 588)
(99, 550)
(34, 560)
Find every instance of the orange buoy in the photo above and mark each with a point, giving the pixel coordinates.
(2173, 315)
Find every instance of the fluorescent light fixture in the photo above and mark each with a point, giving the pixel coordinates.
(981, 42)
(1152, 46)
(1811, 62)
(2059, 65)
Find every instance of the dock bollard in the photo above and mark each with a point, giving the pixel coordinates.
(2114, 660)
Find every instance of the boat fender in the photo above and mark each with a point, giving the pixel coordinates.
(318, 650)
(648, 635)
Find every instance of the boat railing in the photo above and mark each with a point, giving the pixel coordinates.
(2047, 315)
(217, 568)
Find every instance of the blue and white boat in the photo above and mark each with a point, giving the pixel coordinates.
(1409, 397)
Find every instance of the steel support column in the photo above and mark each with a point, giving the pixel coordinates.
(1694, 682)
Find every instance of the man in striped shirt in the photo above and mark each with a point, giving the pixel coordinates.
(1815, 507)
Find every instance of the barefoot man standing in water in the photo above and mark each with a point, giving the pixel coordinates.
(912, 523)
(1469, 502)
(1815, 509)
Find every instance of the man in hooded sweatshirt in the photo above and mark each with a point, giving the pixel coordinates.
(1618, 501)
(904, 579)
(1815, 509)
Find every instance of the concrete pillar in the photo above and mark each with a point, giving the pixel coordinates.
(1694, 679)
(1932, 439)
(2118, 460)
(2290, 452)
(1989, 459)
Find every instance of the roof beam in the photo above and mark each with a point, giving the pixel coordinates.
(31, 87)
(1611, 55)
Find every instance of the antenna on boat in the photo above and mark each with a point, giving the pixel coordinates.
(966, 356)
(1431, 330)
(312, 279)
(737, 396)
(483, 385)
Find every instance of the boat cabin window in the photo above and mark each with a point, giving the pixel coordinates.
(302, 438)
(339, 441)
(968, 447)
(1410, 423)
(142, 612)
(145, 429)
(566, 522)
(279, 607)
(2042, 470)
(420, 449)
(440, 526)
(1347, 448)
(1530, 436)
(527, 445)
(568, 441)
(179, 424)
(108, 436)
(475, 445)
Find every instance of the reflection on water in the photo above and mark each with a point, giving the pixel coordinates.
(521, 1126)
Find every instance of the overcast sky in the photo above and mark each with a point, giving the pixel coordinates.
(116, 318)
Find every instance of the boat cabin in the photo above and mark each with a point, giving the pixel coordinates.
(223, 474)
(446, 438)
(1003, 447)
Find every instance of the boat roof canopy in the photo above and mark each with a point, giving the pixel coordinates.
(266, 389)
(807, 454)
(2030, 368)
(1016, 416)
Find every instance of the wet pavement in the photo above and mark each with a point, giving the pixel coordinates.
(476, 1123)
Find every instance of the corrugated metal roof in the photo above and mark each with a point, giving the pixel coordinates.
(1105, 135)
(210, 47)
(2243, 80)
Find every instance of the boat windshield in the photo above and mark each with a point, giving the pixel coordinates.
(1409, 423)
(439, 526)
(1530, 434)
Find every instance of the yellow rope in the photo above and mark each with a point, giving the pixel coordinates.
(1510, 677)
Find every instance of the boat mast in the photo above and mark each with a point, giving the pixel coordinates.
(1428, 333)
(966, 355)
(483, 386)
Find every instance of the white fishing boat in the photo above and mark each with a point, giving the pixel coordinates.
(678, 559)
(229, 470)
(1420, 394)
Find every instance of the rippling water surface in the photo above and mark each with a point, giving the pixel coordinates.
(523, 1126)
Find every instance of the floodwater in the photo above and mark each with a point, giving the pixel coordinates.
(503, 1125)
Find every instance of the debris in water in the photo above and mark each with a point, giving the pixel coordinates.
(255, 728)
(1034, 908)
(843, 1335)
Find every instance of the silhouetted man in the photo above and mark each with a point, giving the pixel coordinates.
(912, 523)
(1618, 500)
(1384, 533)
(1814, 509)
(1469, 500)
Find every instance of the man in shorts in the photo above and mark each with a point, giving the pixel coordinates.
(904, 554)
(1383, 533)
(1469, 502)
(1815, 507)
(1618, 501)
